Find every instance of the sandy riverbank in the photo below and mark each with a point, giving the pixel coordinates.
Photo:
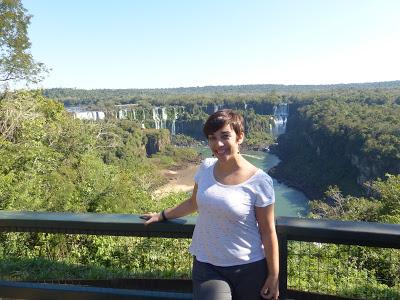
(178, 180)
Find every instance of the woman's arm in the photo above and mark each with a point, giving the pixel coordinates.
(185, 208)
(266, 223)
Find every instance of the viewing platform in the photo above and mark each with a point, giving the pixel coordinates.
(298, 239)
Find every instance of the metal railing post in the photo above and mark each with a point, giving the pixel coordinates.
(283, 271)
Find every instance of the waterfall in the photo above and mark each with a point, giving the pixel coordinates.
(164, 118)
(282, 109)
(134, 114)
(122, 114)
(89, 115)
(100, 115)
(143, 118)
(173, 122)
(280, 112)
(156, 118)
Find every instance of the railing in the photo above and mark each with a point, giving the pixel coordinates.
(288, 229)
(332, 232)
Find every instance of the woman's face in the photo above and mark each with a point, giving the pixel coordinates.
(224, 143)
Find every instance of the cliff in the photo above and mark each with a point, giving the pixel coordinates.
(343, 144)
(156, 140)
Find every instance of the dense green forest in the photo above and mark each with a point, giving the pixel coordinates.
(235, 93)
(344, 136)
(338, 141)
(52, 162)
(345, 140)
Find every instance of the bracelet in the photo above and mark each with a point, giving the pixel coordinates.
(163, 215)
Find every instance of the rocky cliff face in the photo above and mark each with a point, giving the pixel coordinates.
(156, 140)
(366, 171)
(317, 157)
(193, 128)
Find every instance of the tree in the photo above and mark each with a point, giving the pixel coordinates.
(16, 61)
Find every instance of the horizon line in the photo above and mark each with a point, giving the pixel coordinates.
(229, 85)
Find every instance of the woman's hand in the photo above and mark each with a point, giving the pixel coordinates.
(270, 290)
(152, 218)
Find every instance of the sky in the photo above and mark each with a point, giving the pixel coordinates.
(176, 43)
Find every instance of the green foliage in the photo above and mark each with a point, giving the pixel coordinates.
(338, 207)
(16, 62)
(388, 193)
(349, 271)
(64, 256)
(255, 96)
(121, 140)
(344, 140)
(55, 163)
(382, 206)
(173, 157)
(52, 162)
(156, 140)
(259, 139)
(182, 140)
(378, 265)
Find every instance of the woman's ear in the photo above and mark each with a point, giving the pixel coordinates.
(240, 138)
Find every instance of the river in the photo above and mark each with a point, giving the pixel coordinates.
(289, 201)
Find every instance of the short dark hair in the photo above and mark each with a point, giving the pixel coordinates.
(221, 118)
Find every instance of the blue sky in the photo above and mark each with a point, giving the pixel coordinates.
(170, 43)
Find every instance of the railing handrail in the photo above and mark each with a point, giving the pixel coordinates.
(340, 232)
(93, 223)
(300, 229)
(288, 228)
(33, 291)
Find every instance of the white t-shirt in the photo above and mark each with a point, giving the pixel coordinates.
(226, 231)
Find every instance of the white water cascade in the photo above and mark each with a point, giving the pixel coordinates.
(89, 115)
(143, 119)
(173, 130)
(122, 114)
(159, 115)
(156, 118)
(164, 117)
(280, 112)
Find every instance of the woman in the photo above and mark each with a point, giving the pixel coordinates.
(234, 242)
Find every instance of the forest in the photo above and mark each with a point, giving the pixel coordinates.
(52, 162)
(72, 97)
(345, 136)
(345, 140)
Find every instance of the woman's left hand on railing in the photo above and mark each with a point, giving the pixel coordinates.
(151, 218)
